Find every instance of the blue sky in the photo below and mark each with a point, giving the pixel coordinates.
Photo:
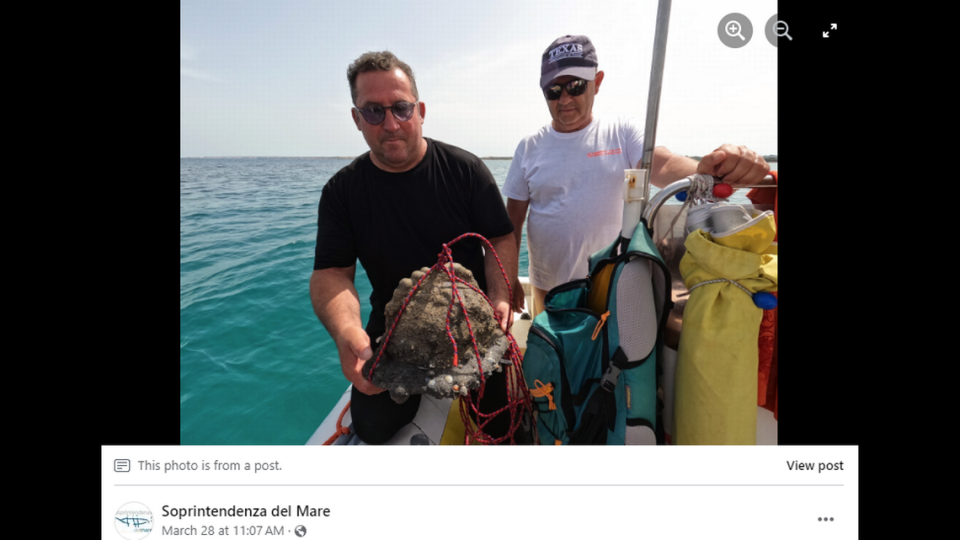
(269, 78)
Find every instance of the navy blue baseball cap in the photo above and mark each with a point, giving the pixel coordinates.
(569, 55)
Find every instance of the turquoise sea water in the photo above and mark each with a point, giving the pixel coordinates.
(256, 366)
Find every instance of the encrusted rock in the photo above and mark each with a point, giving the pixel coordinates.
(419, 356)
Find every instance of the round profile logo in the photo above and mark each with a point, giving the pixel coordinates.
(134, 521)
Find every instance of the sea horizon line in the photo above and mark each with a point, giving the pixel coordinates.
(770, 158)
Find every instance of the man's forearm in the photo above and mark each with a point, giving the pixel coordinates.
(337, 305)
(506, 248)
(517, 210)
(335, 299)
(669, 167)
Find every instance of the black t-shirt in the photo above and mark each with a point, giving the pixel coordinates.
(395, 223)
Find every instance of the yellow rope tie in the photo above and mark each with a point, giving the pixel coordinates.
(542, 390)
(596, 331)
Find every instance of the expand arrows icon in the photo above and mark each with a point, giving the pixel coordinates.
(826, 33)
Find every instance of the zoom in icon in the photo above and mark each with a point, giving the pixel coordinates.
(735, 30)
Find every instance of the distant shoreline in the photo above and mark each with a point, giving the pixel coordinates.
(770, 158)
(268, 157)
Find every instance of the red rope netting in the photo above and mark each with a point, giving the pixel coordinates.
(519, 399)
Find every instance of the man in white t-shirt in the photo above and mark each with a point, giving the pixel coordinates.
(569, 173)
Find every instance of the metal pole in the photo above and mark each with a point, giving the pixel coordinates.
(653, 97)
(635, 201)
(656, 82)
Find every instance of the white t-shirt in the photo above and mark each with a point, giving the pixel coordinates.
(574, 182)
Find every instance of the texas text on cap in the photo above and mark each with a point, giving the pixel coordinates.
(569, 55)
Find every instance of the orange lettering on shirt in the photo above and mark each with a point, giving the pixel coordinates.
(604, 153)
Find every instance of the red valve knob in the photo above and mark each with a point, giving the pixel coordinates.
(722, 191)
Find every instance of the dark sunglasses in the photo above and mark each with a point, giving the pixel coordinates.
(375, 114)
(574, 88)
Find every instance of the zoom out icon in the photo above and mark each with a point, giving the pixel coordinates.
(775, 28)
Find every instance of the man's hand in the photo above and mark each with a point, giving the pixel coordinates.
(504, 313)
(518, 296)
(354, 348)
(736, 165)
(337, 305)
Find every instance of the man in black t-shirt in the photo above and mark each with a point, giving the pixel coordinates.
(393, 208)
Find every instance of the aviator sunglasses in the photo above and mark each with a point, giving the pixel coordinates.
(375, 114)
(574, 88)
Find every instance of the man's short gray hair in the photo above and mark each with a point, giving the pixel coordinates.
(378, 61)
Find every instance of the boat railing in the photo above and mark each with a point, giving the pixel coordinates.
(658, 200)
